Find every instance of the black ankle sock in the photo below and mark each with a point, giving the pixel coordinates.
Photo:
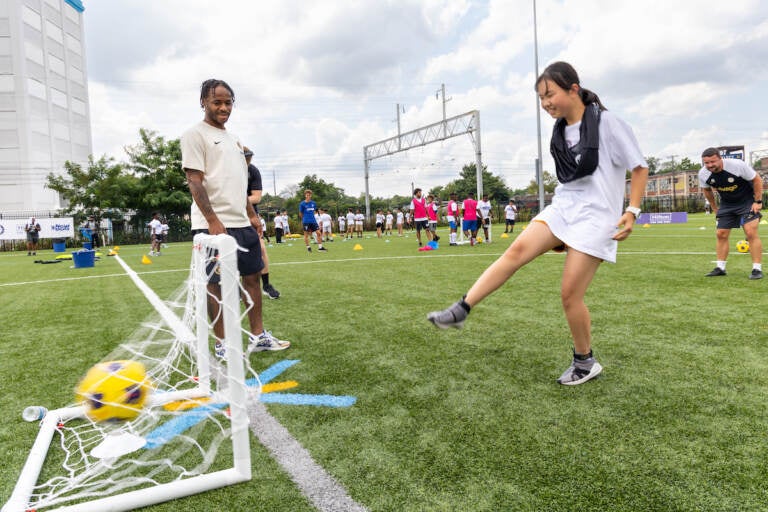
(464, 304)
(265, 279)
(582, 357)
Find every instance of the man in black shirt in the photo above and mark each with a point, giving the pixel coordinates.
(254, 197)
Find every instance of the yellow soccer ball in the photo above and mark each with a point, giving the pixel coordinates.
(742, 246)
(114, 390)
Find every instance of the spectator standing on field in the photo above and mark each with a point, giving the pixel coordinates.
(388, 223)
(255, 191)
(359, 222)
(420, 217)
(432, 208)
(379, 223)
(307, 209)
(452, 215)
(510, 214)
(741, 198)
(156, 234)
(399, 220)
(217, 174)
(278, 223)
(350, 223)
(484, 211)
(32, 229)
(469, 214)
(342, 222)
(326, 225)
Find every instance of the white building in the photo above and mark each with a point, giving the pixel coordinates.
(44, 113)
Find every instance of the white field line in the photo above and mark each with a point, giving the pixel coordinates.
(350, 260)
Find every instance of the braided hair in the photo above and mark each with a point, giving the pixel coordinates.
(210, 85)
(564, 75)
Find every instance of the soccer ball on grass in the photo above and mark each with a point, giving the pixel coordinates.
(114, 390)
(742, 246)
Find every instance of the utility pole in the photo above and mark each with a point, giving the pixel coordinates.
(442, 91)
(274, 182)
(539, 164)
(397, 112)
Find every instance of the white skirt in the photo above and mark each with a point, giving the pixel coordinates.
(586, 227)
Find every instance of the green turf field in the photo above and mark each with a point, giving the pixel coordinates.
(453, 420)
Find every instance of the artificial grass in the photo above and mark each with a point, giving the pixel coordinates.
(458, 420)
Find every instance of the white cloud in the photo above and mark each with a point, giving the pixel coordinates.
(315, 82)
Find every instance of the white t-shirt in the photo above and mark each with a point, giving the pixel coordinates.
(510, 211)
(156, 227)
(485, 208)
(327, 222)
(399, 217)
(389, 219)
(584, 212)
(219, 155)
(351, 219)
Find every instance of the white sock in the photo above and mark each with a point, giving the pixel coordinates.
(721, 264)
(757, 266)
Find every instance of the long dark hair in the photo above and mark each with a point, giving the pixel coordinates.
(210, 85)
(564, 75)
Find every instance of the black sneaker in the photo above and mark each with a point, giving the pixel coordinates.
(309, 249)
(271, 292)
(454, 316)
(322, 249)
(716, 272)
(756, 274)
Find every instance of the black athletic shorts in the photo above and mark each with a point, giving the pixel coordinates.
(248, 262)
(732, 218)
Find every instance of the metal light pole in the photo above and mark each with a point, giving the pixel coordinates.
(539, 169)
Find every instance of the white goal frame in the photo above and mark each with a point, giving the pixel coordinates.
(235, 393)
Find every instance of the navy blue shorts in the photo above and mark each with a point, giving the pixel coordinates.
(248, 262)
(311, 227)
(421, 224)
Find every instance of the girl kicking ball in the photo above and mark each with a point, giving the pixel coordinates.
(592, 149)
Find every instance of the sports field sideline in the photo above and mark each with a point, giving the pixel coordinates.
(453, 420)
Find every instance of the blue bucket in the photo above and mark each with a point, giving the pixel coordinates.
(83, 259)
(59, 246)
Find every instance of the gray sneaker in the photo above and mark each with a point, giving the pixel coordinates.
(580, 371)
(454, 316)
(265, 341)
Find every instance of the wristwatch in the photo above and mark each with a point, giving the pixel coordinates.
(634, 210)
(759, 201)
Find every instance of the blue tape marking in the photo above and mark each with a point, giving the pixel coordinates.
(272, 372)
(188, 419)
(300, 399)
(180, 424)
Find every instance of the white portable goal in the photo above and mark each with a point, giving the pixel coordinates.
(192, 434)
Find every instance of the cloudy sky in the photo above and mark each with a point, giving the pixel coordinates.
(316, 81)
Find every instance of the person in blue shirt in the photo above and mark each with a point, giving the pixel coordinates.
(307, 211)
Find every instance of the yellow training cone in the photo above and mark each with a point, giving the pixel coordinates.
(357, 247)
(646, 225)
(504, 235)
(145, 260)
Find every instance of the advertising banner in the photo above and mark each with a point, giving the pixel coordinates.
(62, 227)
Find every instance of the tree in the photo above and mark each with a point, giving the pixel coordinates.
(102, 189)
(550, 182)
(162, 182)
(653, 164)
(494, 186)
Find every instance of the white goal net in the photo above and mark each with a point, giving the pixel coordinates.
(187, 427)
